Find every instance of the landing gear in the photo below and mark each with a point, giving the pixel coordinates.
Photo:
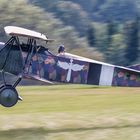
(8, 93)
(8, 96)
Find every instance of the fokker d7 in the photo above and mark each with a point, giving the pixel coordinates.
(32, 61)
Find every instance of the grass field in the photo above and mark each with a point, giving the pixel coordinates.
(73, 112)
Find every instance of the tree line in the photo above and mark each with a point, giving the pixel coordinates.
(85, 28)
(120, 43)
(109, 26)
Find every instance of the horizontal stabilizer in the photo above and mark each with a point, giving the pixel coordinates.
(135, 67)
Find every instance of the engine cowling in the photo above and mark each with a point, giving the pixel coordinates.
(8, 96)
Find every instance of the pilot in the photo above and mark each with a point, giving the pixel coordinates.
(61, 51)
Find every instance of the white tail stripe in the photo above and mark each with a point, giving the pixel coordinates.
(106, 76)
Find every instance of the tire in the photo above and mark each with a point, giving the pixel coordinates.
(8, 96)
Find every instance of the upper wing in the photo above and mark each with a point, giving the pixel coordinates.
(14, 31)
(63, 65)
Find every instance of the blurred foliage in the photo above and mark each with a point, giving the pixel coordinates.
(108, 19)
(91, 37)
(104, 10)
(96, 29)
(132, 37)
(70, 13)
(22, 13)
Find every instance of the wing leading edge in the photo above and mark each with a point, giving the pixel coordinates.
(19, 31)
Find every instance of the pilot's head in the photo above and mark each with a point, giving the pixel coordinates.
(61, 49)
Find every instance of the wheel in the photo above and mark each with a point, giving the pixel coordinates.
(8, 96)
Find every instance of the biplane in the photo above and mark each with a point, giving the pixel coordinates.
(31, 60)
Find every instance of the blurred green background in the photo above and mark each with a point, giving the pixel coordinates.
(106, 30)
(73, 112)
